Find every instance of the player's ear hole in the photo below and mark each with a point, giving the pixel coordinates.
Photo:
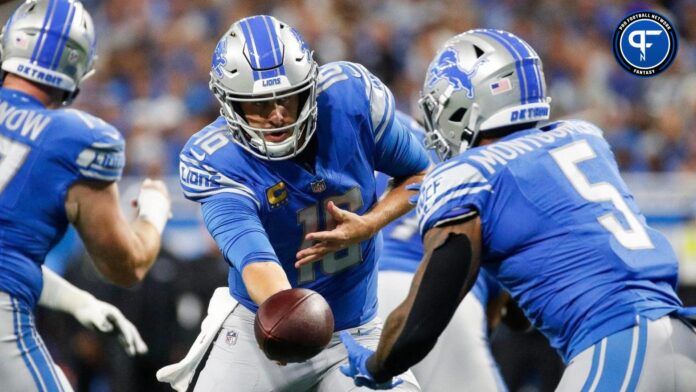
(479, 51)
(458, 115)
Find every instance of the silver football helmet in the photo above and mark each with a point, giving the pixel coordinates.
(481, 82)
(51, 42)
(263, 59)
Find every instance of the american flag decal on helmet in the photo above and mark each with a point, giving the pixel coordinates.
(501, 86)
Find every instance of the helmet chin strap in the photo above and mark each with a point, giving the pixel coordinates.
(474, 113)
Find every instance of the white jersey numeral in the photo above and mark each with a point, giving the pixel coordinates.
(309, 219)
(568, 157)
(12, 156)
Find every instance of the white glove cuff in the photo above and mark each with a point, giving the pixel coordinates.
(154, 207)
(58, 294)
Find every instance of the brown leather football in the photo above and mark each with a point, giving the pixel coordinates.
(293, 325)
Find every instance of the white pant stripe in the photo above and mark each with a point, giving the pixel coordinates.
(600, 366)
(632, 360)
(25, 351)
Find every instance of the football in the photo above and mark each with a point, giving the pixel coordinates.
(293, 325)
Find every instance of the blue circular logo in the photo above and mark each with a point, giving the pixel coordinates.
(645, 43)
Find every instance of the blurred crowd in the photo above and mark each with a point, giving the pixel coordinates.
(152, 83)
(154, 60)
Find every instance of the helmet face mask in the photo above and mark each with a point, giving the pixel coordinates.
(479, 82)
(58, 52)
(261, 59)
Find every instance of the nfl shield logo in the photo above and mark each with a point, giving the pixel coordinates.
(318, 186)
(231, 338)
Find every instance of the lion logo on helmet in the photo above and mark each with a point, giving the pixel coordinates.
(219, 60)
(446, 67)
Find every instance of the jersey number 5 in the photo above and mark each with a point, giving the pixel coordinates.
(12, 156)
(568, 157)
(309, 219)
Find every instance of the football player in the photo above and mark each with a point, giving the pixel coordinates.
(466, 338)
(286, 185)
(545, 211)
(58, 166)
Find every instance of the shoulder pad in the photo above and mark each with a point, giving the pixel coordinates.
(200, 173)
(376, 95)
(585, 127)
(452, 186)
(101, 154)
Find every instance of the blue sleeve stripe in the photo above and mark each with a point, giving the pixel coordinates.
(234, 184)
(191, 162)
(364, 74)
(231, 187)
(108, 147)
(193, 172)
(452, 210)
(458, 188)
(386, 108)
(441, 168)
(105, 169)
(446, 203)
(109, 176)
(195, 195)
(197, 164)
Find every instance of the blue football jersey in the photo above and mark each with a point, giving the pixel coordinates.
(42, 153)
(274, 204)
(402, 246)
(560, 231)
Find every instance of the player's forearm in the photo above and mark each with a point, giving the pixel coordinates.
(146, 247)
(394, 203)
(446, 274)
(131, 255)
(60, 295)
(263, 279)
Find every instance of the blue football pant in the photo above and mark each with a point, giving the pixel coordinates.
(657, 355)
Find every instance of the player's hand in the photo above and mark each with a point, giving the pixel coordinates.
(357, 365)
(106, 318)
(350, 229)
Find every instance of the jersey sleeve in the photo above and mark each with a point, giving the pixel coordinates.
(199, 180)
(234, 223)
(400, 151)
(453, 190)
(101, 152)
(379, 99)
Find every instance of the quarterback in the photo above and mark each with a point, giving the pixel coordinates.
(59, 166)
(285, 179)
(545, 211)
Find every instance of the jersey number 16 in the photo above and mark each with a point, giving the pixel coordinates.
(309, 219)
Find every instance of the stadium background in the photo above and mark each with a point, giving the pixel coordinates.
(151, 82)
